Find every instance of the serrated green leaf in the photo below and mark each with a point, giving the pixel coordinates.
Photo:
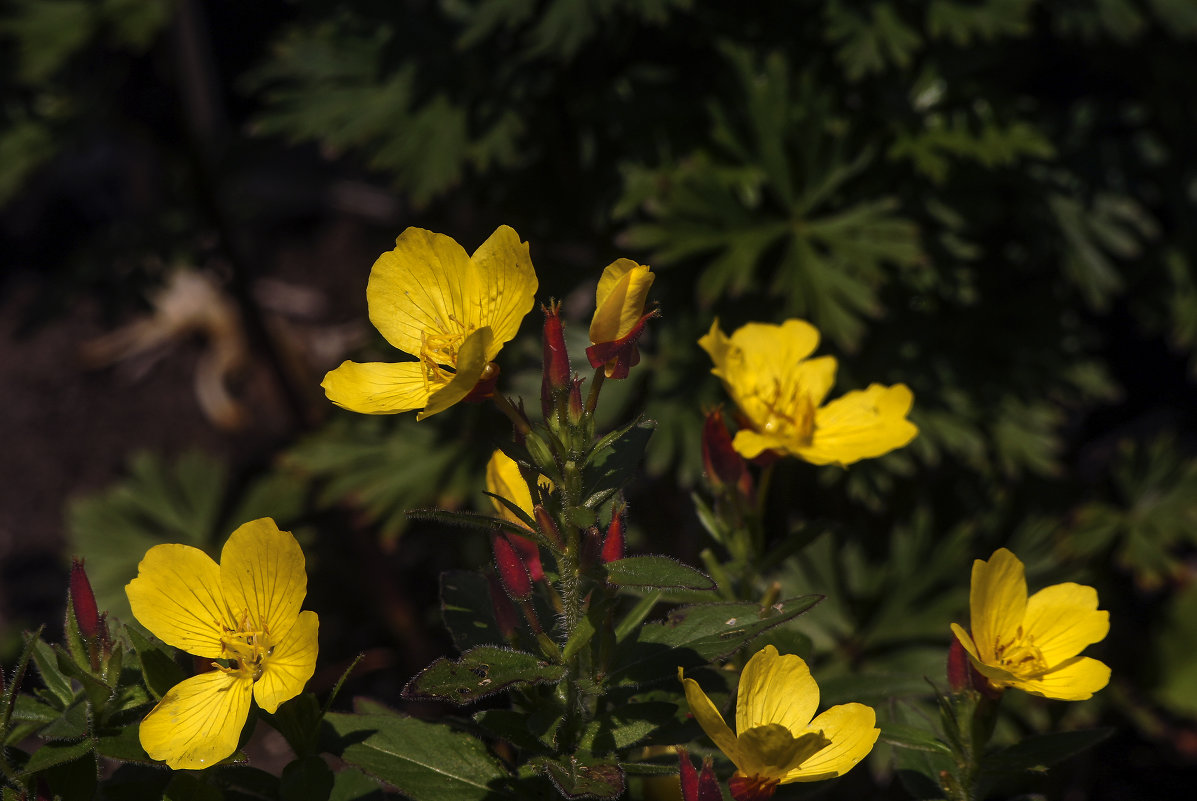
(696, 635)
(480, 672)
(123, 745)
(306, 779)
(657, 572)
(574, 778)
(424, 761)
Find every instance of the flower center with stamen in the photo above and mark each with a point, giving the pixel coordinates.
(1021, 656)
(246, 648)
(790, 413)
(438, 353)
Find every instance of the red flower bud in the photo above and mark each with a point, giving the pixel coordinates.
(512, 570)
(620, 356)
(613, 543)
(530, 552)
(575, 400)
(688, 776)
(724, 466)
(83, 600)
(547, 526)
(557, 374)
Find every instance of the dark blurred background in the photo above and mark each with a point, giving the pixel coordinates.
(988, 200)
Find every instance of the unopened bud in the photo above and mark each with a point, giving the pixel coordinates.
(540, 452)
(613, 542)
(592, 547)
(512, 570)
(83, 600)
(548, 526)
(556, 378)
(724, 466)
(530, 552)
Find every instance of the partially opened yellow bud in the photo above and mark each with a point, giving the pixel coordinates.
(619, 317)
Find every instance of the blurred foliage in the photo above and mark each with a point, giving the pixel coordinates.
(988, 200)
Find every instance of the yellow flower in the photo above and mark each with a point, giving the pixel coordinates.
(243, 612)
(779, 390)
(1033, 643)
(776, 742)
(619, 317)
(451, 311)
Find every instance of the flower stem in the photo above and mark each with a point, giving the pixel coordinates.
(518, 420)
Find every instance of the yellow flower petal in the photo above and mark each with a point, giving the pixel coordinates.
(997, 600)
(198, 722)
(773, 751)
(502, 287)
(262, 574)
(776, 689)
(291, 665)
(1074, 680)
(503, 478)
(420, 287)
(1064, 619)
(619, 300)
(471, 363)
(177, 596)
(861, 425)
(750, 444)
(852, 730)
(709, 718)
(379, 387)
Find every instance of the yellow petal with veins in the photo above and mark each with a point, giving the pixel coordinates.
(998, 601)
(290, 665)
(262, 573)
(852, 732)
(709, 718)
(198, 722)
(502, 286)
(471, 364)
(379, 387)
(177, 596)
(776, 689)
(1064, 619)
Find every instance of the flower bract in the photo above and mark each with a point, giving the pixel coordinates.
(453, 312)
(244, 614)
(1033, 643)
(776, 740)
(780, 391)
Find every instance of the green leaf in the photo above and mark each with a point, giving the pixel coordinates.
(574, 778)
(46, 660)
(69, 725)
(481, 671)
(1038, 752)
(56, 753)
(424, 761)
(306, 779)
(159, 670)
(124, 745)
(10, 700)
(353, 785)
(695, 635)
(467, 610)
(913, 738)
(657, 572)
(190, 787)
